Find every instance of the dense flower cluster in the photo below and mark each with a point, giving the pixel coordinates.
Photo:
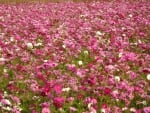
(75, 57)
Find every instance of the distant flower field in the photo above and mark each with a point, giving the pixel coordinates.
(31, 1)
(91, 57)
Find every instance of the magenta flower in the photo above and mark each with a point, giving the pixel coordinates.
(107, 91)
(58, 89)
(58, 101)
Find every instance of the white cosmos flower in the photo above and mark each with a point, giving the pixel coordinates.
(5, 70)
(7, 108)
(45, 60)
(132, 109)
(98, 33)
(139, 41)
(123, 34)
(80, 62)
(38, 44)
(11, 39)
(86, 52)
(148, 77)
(115, 92)
(89, 105)
(64, 46)
(144, 102)
(123, 28)
(5, 94)
(103, 110)
(66, 89)
(19, 103)
(29, 45)
(35, 97)
(125, 108)
(117, 100)
(82, 15)
(6, 42)
(2, 59)
(0, 104)
(130, 15)
(120, 55)
(117, 78)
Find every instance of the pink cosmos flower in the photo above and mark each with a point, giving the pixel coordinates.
(71, 67)
(5, 102)
(58, 89)
(93, 43)
(33, 111)
(70, 99)
(15, 110)
(92, 80)
(18, 38)
(46, 110)
(58, 101)
(128, 56)
(49, 64)
(73, 109)
(146, 110)
(93, 110)
(15, 99)
(81, 73)
(110, 68)
(34, 87)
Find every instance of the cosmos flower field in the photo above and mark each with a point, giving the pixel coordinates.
(75, 57)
